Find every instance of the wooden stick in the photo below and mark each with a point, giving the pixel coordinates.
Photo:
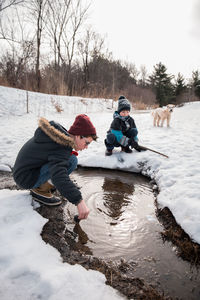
(145, 148)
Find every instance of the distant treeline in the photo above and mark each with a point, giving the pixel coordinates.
(48, 50)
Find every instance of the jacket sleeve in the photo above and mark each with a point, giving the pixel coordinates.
(58, 163)
(132, 123)
(133, 126)
(116, 125)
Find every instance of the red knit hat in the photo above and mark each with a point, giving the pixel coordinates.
(82, 126)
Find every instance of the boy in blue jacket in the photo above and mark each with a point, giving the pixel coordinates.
(123, 131)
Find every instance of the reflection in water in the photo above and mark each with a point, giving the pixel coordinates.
(116, 223)
(82, 240)
(116, 195)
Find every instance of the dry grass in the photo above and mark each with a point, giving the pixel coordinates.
(57, 105)
(143, 106)
(4, 82)
(186, 248)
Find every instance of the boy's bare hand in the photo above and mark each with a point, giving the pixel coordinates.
(83, 211)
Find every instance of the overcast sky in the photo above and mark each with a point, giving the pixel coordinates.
(146, 32)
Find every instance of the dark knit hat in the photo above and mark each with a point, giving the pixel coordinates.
(82, 126)
(123, 104)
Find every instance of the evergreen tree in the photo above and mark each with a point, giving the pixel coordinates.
(180, 86)
(196, 83)
(162, 86)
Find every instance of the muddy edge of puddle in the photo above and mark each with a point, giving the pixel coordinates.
(119, 275)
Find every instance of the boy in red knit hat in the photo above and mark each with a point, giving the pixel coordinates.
(45, 161)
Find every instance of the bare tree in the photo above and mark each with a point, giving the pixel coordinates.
(18, 50)
(57, 21)
(65, 18)
(9, 20)
(143, 73)
(4, 4)
(78, 14)
(38, 9)
(8, 29)
(35, 11)
(89, 46)
(131, 67)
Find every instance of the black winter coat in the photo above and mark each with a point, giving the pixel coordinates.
(50, 145)
(119, 124)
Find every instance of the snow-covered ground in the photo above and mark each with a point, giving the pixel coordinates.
(24, 258)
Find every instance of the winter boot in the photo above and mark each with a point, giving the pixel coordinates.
(52, 187)
(127, 149)
(43, 195)
(108, 152)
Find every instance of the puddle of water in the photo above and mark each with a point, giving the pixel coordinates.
(122, 224)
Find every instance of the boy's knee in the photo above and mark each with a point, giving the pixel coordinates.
(110, 138)
(74, 161)
(134, 132)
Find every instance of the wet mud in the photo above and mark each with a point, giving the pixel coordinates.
(141, 250)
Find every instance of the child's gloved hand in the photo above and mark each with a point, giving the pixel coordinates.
(135, 145)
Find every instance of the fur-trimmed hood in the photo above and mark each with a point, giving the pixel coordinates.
(56, 132)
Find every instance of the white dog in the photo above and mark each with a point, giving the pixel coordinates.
(162, 114)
